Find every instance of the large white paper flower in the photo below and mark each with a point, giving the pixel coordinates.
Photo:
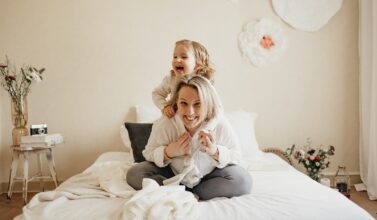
(307, 15)
(262, 42)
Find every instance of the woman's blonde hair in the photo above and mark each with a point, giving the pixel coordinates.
(209, 101)
(203, 64)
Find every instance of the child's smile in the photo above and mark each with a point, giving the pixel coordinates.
(183, 60)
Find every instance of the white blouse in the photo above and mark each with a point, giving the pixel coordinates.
(192, 167)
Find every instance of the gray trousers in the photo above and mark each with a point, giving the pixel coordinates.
(230, 181)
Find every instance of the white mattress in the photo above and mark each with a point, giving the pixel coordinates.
(279, 192)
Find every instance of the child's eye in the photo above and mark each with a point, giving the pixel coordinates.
(175, 57)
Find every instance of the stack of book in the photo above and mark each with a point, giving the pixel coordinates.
(40, 141)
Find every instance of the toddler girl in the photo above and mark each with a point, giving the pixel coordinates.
(190, 57)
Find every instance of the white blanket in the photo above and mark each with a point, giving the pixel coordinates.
(107, 181)
(278, 192)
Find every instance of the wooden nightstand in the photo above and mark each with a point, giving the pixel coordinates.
(25, 153)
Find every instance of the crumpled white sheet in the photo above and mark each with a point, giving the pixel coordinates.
(107, 181)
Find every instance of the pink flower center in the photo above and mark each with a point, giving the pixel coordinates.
(267, 42)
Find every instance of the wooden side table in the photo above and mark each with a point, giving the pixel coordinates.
(26, 152)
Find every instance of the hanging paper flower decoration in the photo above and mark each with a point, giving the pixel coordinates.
(307, 15)
(262, 42)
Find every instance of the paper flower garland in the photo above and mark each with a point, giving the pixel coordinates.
(306, 15)
(262, 42)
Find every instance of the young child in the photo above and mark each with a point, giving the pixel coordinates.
(190, 57)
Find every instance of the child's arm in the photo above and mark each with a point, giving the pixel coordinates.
(160, 93)
(168, 111)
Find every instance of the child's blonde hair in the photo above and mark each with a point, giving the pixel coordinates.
(203, 64)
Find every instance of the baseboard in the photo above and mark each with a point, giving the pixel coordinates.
(33, 186)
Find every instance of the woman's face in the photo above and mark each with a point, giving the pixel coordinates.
(188, 108)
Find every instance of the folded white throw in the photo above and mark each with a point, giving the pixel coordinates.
(159, 202)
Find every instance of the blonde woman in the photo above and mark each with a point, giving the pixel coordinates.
(179, 152)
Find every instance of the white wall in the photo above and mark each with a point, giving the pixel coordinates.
(103, 57)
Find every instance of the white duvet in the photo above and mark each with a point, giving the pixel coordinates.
(279, 192)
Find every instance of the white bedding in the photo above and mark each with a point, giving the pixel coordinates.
(279, 192)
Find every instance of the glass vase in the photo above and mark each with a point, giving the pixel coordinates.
(314, 175)
(342, 180)
(19, 113)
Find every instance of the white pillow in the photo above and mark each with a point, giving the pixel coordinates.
(242, 122)
(147, 114)
(125, 137)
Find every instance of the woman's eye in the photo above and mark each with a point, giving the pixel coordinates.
(183, 103)
(197, 105)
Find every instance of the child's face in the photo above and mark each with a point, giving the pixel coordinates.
(183, 60)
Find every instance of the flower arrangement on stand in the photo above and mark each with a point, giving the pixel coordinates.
(17, 83)
(313, 159)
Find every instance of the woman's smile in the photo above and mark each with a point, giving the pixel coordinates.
(190, 119)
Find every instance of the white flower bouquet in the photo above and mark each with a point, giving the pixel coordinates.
(313, 159)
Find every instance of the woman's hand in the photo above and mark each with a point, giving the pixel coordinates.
(207, 141)
(168, 111)
(179, 147)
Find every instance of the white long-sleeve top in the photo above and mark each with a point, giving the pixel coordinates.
(161, 93)
(165, 131)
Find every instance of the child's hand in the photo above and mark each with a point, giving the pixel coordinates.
(168, 111)
(206, 139)
(179, 147)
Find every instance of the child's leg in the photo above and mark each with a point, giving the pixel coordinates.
(146, 169)
(230, 181)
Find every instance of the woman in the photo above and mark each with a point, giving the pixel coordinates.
(178, 151)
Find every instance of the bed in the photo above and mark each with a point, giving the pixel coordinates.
(279, 190)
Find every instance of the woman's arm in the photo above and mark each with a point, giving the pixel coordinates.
(161, 136)
(228, 147)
